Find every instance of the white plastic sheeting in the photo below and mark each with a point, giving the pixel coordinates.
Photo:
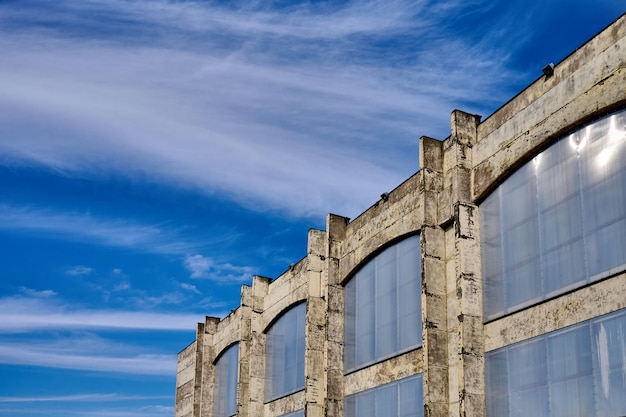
(226, 377)
(284, 354)
(578, 371)
(559, 221)
(383, 315)
(299, 413)
(402, 398)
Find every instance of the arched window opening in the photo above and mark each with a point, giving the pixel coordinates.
(284, 354)
(383, 314)
(559, 222)
(226, 377)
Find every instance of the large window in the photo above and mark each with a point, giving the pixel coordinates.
(559, 221)
(579, 371)
(226, 371)
(383, 314)
(299, 413)
(403, 398)
(284, 358)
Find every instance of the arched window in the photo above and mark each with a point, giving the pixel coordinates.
(559, 221)
(226, 372)
(383, 314)
(284, 357)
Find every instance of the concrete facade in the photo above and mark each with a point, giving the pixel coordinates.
(441, 203)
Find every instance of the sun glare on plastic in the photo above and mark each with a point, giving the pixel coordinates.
(615, 138)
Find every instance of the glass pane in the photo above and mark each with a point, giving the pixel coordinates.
(570, 373)
(610, 365)
(411, 397)
(496, 383)
(409, 301)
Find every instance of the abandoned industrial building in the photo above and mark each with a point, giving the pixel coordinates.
(490, 283)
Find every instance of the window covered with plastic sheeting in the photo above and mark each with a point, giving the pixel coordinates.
(578, 371)
(402, 398)
(299, 413)
(226, 377)
(383, 314)
(559, 222)
(284, 354)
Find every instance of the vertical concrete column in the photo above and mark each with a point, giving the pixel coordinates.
(464, 295)
(434, 328)
(457, 162)
(434, 332)
(245, 348)
(206, 373)
(260, 286)
(467, 305)
(431, 180)
(315, 328)
(335, 234)
(464, 135)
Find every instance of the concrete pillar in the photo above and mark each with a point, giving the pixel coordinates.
(465, 304)
(431, 185)
(464, 288)
(206, 371)
(260, 286)
(315, 328)
(457, 163)
(335, 233)
(245, 348)
(434, 334)
(434, 327)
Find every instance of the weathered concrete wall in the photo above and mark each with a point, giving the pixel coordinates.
(285, 405)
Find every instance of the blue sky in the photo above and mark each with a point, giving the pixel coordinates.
(154, 155)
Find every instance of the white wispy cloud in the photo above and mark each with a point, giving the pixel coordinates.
(86, 351)
(297, 99)
(125, 412)
(189, 287)
(124, 285)
(84, 226)
(78, 270)
(20, 314)
(97, 397)
(203, 267)
(45, 356)
(108, 411)
(37, 293)
(198, 265)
